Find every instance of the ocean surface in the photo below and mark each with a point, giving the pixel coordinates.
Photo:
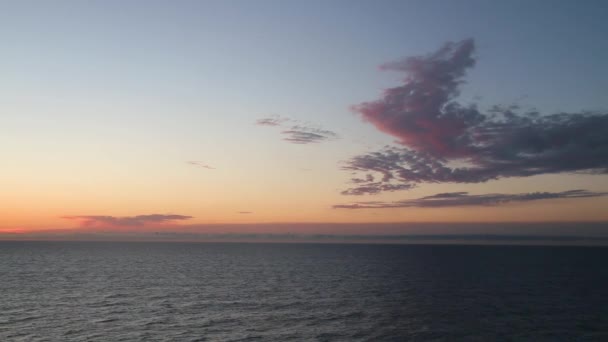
(104, 291)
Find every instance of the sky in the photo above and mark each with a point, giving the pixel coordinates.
(248, 116)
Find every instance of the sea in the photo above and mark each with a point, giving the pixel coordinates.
(157, 291)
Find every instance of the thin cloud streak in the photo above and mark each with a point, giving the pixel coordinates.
(376, 188)
(201, 165)
(436, 132)
(126, 221)
(271, 121)
(296, 132)
(307, 135)
(464, 199)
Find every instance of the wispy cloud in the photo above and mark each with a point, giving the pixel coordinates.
(297, 132)
(460, 199)
(271, 121)
(436, 132)
(372, 188)
(245, 212)
(126, 221)
(200, 164)
(305, 135)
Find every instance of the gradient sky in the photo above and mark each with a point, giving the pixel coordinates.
(110, 110)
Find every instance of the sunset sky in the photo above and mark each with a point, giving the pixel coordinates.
(176, 115)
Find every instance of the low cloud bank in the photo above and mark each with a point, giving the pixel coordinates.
(125, 221)
(460, 199)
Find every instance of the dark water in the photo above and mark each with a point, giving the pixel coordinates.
(241, 292)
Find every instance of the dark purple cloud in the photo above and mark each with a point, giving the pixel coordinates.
(200, 164)
(126, 221)
(299, 133)
(459, 199)
(444, 141)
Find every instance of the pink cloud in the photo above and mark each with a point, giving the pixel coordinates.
(418, 113)
(444, 141)
(126, 221)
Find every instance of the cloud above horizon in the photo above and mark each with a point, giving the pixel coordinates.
(271, 121)
(460, 199)
(296, 132)
(200, 164)
(126, 221)
(442, 140)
